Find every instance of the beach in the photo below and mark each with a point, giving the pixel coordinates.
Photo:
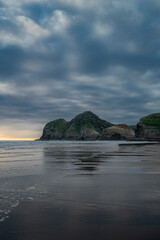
(79, 190)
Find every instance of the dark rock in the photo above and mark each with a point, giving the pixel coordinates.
(149, 127)
(83, 134)
(54, 130)
(147, 132)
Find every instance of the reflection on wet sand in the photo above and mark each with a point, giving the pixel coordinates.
(97, 191)
(79, 156)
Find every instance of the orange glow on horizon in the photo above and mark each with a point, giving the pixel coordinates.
(16, 139)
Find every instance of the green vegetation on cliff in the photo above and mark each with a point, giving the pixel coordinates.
(88, 120)
(80, 127)
(88, 126)
(59, 125)
(152, 120)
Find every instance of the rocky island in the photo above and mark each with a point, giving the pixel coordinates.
(86, 126)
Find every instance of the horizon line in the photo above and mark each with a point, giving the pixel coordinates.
(17, 139)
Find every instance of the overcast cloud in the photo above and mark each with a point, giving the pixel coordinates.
(60, 58)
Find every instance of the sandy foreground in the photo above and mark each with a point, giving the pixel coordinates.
(91, 193)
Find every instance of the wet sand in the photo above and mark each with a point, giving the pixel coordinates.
(45, 221)
(93, 191)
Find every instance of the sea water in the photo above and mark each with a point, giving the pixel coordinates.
(25, 166)
(97, 186)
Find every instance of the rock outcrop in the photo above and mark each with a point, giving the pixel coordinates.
(83, 134)
(85, 126)
(54, 130)
(148, 127)
(88, 126)
(118, 132)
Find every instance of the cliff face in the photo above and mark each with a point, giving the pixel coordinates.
(82, 134)
(149, 127)
(54, 130)
(118, 132)
(85, 126)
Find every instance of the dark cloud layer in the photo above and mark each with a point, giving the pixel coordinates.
(59, 58)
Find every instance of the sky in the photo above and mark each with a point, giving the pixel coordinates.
(59, 58)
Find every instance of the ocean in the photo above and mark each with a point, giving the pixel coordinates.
(79, 190)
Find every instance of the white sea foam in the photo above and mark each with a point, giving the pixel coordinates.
(30, 188)
(11, 197)
(30, 198)
(15, 204)
(3, 218)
